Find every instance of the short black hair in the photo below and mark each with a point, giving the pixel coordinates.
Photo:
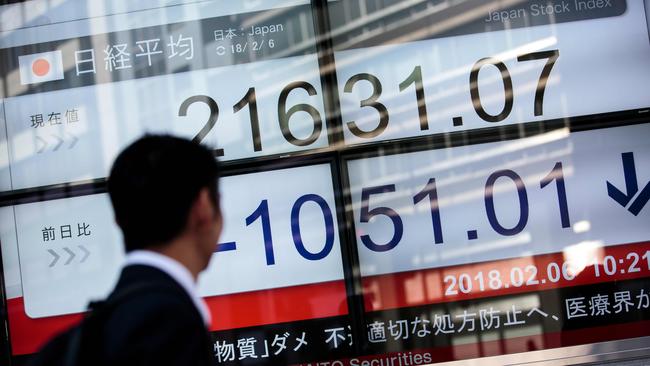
(153, 184)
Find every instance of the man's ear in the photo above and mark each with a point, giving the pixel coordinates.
(203, 209)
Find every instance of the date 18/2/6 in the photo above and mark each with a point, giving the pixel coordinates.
(429, 194)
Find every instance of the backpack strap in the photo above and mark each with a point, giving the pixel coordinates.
(99, 310)
(74, 347)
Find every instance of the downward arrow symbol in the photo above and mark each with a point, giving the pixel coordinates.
(631, 184)
(631, 187)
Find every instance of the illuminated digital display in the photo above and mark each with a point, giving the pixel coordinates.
(479, 78)
(500, 200)
(72, 249)
(248, 94)
(69, 251)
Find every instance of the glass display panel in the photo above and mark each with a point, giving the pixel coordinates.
(81, 80)
(241, 77)
(499, 194)
(415, 68)
(522, 243)
(60, 254)
(406, 182)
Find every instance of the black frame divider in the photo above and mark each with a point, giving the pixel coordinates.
(349, 253)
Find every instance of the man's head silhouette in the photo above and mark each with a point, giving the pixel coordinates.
(164, 192)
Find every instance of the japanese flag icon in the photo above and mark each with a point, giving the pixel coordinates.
(40, 67)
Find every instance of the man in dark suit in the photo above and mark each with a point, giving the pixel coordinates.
(165, 197)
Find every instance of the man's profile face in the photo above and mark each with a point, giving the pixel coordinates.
(208, 226)
(217, 227)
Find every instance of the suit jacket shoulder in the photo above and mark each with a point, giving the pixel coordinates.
(160, 326)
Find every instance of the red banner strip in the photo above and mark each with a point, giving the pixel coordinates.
(573, 267)
(248, 309)
(279, 305)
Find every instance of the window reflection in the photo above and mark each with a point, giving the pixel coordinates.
(470, 159)
(480, 181)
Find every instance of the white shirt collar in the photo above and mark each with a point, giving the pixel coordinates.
(176, 271)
